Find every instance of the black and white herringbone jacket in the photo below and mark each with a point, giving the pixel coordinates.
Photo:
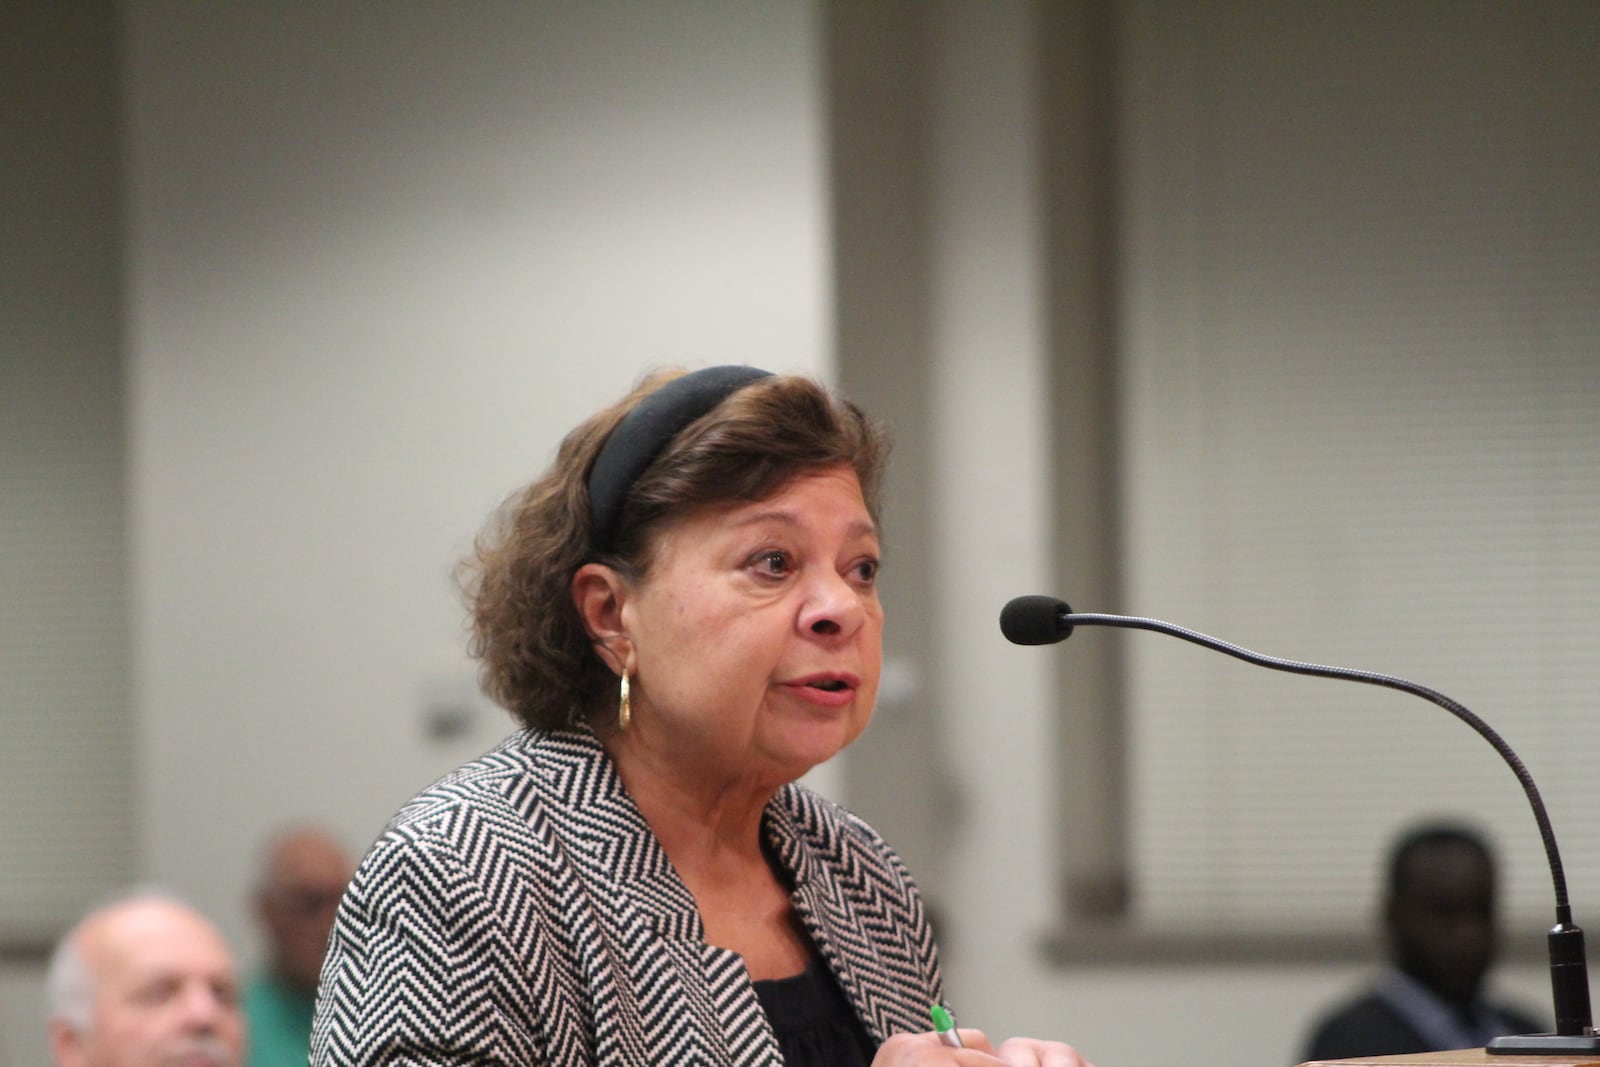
(520, 911)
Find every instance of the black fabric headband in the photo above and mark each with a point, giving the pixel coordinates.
(645, 431)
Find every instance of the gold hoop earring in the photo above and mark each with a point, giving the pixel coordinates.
(624, 712)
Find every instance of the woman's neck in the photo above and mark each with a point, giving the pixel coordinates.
(704, 820)
(711, 832)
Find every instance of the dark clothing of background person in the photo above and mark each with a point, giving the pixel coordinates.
(1399, 1017)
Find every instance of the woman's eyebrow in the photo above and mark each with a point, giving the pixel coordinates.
(787, 517)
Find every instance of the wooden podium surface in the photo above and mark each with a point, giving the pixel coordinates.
(1472, 1057)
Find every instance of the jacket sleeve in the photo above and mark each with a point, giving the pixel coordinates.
(418, 970)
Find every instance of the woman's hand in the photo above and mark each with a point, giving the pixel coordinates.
(925, 1050)
(1028, 1052)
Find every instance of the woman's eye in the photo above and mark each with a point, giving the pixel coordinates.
(772, 564)
(867, 571)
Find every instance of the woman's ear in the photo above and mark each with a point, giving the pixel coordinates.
(598, 592)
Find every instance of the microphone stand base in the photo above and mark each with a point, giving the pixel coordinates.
(1545, 1045)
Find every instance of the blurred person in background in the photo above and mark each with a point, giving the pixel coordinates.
(1441, 929)
(146, 981)
(303, 873)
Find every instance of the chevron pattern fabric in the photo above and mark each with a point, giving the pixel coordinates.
(520, 911)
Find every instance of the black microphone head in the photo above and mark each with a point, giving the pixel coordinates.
(1035, 620)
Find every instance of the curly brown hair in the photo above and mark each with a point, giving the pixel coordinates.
(537, 658)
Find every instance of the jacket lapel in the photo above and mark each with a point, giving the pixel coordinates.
(853, 908)
(668, 996)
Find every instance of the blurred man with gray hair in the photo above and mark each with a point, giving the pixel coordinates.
(146, 981)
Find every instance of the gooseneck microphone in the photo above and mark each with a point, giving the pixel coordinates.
(1045, 620)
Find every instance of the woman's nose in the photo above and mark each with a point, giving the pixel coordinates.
(833, 608)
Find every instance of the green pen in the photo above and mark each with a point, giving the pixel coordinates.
(945, 1027)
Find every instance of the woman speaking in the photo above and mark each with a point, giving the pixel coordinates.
(683, 613)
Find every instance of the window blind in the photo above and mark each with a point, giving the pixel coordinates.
(66, 758)
(1361, 392)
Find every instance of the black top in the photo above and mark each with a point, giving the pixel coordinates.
(1372, 1026)
(815, 1024)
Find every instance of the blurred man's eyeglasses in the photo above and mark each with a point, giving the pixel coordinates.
(304, 903)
